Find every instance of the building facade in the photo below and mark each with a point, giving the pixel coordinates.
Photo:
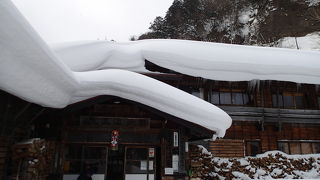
(150, 144)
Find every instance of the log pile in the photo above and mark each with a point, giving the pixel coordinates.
(34, 158)
(269, 165)
(4, 146)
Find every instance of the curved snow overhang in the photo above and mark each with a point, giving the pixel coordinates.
(215, 61)
(30, 70)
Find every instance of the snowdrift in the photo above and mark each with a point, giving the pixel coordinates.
(30, 70)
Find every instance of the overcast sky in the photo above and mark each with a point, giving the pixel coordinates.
(72, 20)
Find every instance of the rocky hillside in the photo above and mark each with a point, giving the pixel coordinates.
(237, 21)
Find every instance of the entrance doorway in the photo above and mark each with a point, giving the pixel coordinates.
(115, 164)
(126, 163)
(140, 163)
(81, 159)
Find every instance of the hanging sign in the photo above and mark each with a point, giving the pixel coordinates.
(175, 139)
(175, 163)
(168, 171)
(114, 140)
(143, 165)
(151, 152)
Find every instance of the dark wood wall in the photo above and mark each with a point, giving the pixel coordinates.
(268, 138)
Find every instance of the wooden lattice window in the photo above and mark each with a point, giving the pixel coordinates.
(234, 97)
(288, 100)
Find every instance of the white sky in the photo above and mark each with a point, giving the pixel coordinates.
(72, 20)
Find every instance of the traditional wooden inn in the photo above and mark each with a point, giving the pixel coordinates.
(129, 111)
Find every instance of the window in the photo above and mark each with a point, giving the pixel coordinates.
(306, 148)
(196, 93)
(140, 160)
(295, 148)
(284, 147)
(316, 148)
(299, 147)
(215, 97)
(225, 98)
(229, 98)
(253, 148)
(78, 157)
(237, 98)
(288, 100)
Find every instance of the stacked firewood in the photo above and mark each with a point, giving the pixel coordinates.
(201, 163)
(33, 158)
(274, 165)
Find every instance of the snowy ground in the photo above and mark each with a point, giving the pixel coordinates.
(309, 42)
(270, 165)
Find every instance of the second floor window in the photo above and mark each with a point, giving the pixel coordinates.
(229, 98)
(288, 100)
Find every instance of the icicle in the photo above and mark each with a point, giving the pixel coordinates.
(254, 84)
(298, 86)
(251, 85)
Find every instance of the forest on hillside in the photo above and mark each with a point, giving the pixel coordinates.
(236, 21)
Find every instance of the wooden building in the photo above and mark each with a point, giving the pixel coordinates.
(113, 137)
(267, 115)
(150, 144)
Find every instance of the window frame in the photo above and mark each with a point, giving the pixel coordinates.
(280, 96)
(246, 98)
(247, 142)
(312, 144)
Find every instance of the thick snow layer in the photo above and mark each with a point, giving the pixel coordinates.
(208, 60)
(31, 70)
(309, 42)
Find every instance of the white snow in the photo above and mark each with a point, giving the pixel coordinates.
(202, 59)
(309, 42)
(312, 2)
(77, 71)
(30, 70)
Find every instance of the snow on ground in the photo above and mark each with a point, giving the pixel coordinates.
(313, 2)
(309, 42)
(270, 165)
(30, 70)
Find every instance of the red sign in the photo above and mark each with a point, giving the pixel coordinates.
(151, 152)
(114, 140)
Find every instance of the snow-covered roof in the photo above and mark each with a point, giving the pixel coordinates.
(30, 70)
(214, 61)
